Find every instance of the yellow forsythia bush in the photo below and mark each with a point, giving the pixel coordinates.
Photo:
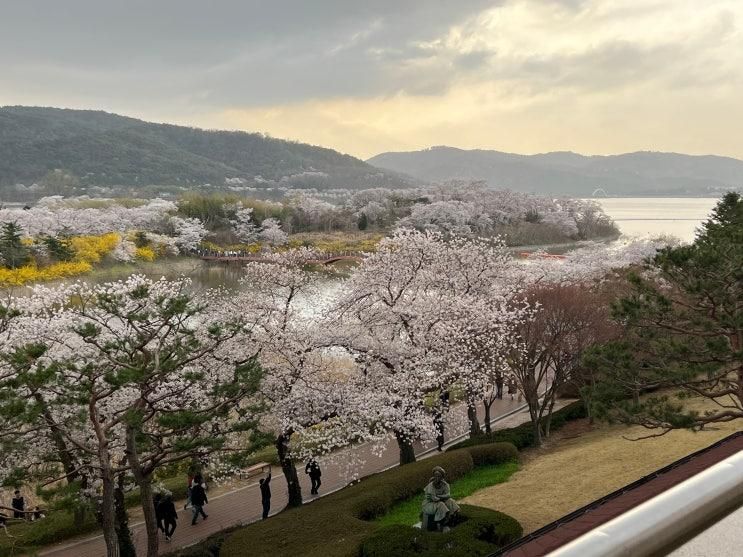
(91, 249)
(145, 254)
(32, 273)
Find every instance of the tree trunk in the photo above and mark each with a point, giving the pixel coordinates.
(474, 421)
(548, 418)
(144, 481)
(636, 396)
(126, 545)
(290, 471)
(537, 432)
(407, 454)
(487, 406)
(108, 521)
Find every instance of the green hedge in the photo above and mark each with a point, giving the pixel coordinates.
(522, 436)
(493, 453)
(481, 532)
(337, 524)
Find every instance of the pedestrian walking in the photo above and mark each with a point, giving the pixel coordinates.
(157, 501)
(198, 499)
(19, 505)
(499, 387)
(265, 486)
(313, 469)
(512, 386)
(169, 516)
(188, 492)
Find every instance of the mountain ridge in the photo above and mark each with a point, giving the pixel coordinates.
(569, 173)
(102, 148)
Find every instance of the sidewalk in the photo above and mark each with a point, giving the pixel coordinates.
(243, 505)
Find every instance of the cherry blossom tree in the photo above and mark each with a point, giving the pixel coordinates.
(272, 234)
(243, 226)
(279, 298)
(405, 316)
(190, 233)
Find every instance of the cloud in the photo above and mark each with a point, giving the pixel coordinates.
(364, 77)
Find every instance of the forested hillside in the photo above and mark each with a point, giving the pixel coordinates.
(564, 173)
(93, 148)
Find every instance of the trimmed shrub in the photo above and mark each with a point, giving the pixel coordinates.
(480, 532)
(522, 436)
(493, 453)
(377, 493)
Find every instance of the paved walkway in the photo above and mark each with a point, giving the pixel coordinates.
(243, 505)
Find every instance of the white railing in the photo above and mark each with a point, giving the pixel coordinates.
(663, 522)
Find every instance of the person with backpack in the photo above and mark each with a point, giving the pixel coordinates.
(198, 498)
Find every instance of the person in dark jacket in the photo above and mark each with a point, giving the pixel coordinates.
(198, 499)
(169, 516)
(265, 485)
(313, 469)
(157, 501)
(19, 505)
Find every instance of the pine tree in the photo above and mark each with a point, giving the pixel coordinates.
(684, 324)
(13, 253)
(59, 249)
(363, 223)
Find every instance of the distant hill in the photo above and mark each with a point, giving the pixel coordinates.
(565, 173)
(98, 148)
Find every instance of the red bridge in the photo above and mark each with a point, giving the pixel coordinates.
(323, 258)
(528, 254)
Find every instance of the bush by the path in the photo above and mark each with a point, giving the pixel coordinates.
(481, 532)
(58, 525)
(522, 436)
(336, 525)
(494, 453)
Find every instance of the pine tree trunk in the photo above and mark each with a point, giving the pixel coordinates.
(144, 482)
(108, 521)
(407, 454)
(126, 545)
(290, 471)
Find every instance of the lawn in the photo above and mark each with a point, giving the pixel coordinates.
(407, 512)
(583, 464)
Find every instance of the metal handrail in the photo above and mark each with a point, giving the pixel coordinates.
(659, 524)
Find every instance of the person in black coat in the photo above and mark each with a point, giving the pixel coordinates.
(169, 516)
(265, 486)
(157, 501)
(19, 505)
(313, 469)
(198, 499)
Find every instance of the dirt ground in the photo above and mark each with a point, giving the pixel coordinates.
(581, 463)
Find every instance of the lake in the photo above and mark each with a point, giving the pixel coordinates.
(677, 216)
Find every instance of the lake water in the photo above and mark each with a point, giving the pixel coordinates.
(677, 216)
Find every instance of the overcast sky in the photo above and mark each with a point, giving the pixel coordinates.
(367, 76)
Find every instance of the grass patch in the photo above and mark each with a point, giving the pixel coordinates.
(407, 512)
(569, 473)
(31, 535)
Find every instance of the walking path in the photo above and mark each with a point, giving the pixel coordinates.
(243, 505)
